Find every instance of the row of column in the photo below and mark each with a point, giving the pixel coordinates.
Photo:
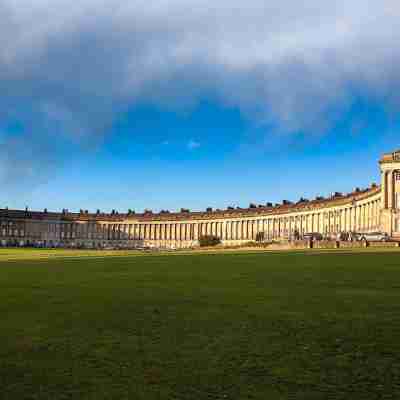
(388, 189)
(351, 218)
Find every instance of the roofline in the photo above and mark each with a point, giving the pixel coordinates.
(196, 215)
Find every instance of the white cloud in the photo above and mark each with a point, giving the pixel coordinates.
(192, 144)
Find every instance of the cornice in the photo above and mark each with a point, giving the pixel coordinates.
(302, 206)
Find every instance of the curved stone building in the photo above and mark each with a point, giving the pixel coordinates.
(374, 209)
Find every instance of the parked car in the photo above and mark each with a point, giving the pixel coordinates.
(373, 237)
(312, 236)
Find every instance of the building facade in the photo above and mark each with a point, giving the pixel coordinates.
(374, 209)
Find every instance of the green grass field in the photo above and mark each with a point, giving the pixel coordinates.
(226, 326)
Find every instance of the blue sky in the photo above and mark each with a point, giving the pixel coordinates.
(186, 105)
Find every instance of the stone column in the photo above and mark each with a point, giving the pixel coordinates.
(384, 189)
(373, 210)
(183, 232)
(135, 231)
(372, 215)
(190, 231)
(343, 220)
(156, 231)
(363, 217)
(389, 184)
(151, 231)
(371, 223)
(349, 219)
(167, 231)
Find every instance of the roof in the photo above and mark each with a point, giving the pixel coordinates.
(302, 205)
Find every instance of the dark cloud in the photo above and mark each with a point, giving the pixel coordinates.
(71, 67)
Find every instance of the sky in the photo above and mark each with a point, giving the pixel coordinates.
(187, 103)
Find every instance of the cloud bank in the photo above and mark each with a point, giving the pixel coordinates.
(74, 66)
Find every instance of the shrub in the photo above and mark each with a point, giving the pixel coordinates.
(260, 237)
(209, 240)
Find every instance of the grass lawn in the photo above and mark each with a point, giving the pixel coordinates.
(204, 326)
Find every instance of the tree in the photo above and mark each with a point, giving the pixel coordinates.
(209, 240)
